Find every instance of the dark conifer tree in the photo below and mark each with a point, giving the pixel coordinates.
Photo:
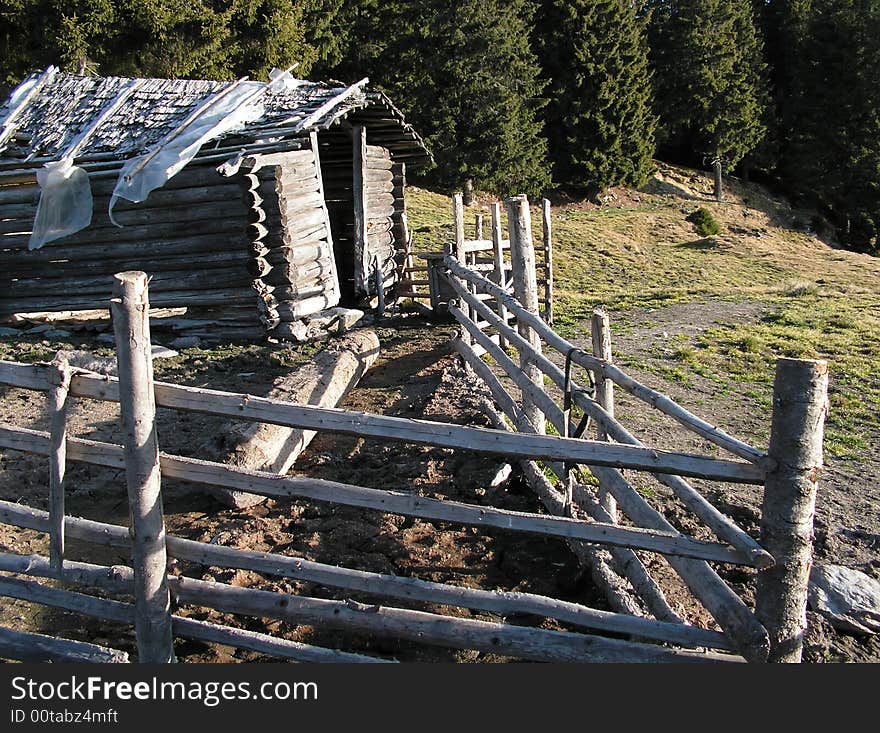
(832, 151)
(599, 120)
(464, 73)
(709, 78)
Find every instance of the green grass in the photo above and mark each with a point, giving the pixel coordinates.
(816, 301)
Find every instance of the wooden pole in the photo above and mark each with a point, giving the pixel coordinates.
(457, 225)
(361, 245)
(601, 332)
(59, 375)
(413, 589)
(131, 324)
(498, 273)
(800, 403)
(217, 475)
(525, 289)
(548, 261)
(110, 610)
(478, 226)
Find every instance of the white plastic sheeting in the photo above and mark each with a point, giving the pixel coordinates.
(228, 110)
(65, 204)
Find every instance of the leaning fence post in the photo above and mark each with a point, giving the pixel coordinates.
(131, 324)
(58, 395)
(601, 332)
(525, 290)
(800, 399)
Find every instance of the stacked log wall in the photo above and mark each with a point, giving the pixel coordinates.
(294, 244)
(380, 200)
(191, 237)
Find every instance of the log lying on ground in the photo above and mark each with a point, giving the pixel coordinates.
(324, 382)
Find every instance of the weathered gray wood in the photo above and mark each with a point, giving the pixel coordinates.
(518, 641)
(456, 246)
(723, 527)
(131, 325)
(601, 338)
(324, 381)
(800, 404)
(116, 611)
(548, 261)
(525, 289)
(502, 602)
(171, 299)
(269, 484)
(184, 246)
(531, 393)
(631, 567)
(499, 273)
(658, 400)
(59, 375)
(499, 393)
(146, 233)
(25, 646)
(248, 407)
(313, 138)
(732, 615)
(359, 176)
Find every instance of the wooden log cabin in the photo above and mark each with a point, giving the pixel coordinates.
(295, 210)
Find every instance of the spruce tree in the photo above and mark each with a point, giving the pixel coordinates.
(465, 75)
(212, 39)
(709, 78)
(832, 155)
(599, 121)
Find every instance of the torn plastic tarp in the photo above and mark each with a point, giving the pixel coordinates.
(65, 204)
(226, 111)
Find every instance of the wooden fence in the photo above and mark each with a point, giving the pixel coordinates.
(587, 520)
(481, 252)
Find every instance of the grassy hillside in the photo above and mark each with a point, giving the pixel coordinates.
(636, 254)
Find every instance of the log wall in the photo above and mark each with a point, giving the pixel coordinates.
(294, 267)
(198, 217)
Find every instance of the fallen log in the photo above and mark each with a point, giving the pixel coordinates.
(324, 382)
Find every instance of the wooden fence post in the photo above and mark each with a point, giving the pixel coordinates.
(800, 399)
(478, 226)
(525, 289)
(457, 248)
(60, 376)
(498, 273)
(131, 324)
(601, 332)
(548, 261)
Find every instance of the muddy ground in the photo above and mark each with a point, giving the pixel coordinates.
(414, 377)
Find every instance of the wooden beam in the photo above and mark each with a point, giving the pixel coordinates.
(25, 646)
(660, 401)
(218, 475)
(118, 612)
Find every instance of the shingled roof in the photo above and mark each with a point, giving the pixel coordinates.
(63, 106)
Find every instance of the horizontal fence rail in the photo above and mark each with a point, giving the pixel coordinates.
(413, 589)
(397, 502)
(444, 435)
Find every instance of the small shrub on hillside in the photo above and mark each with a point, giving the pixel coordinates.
(704, 222)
